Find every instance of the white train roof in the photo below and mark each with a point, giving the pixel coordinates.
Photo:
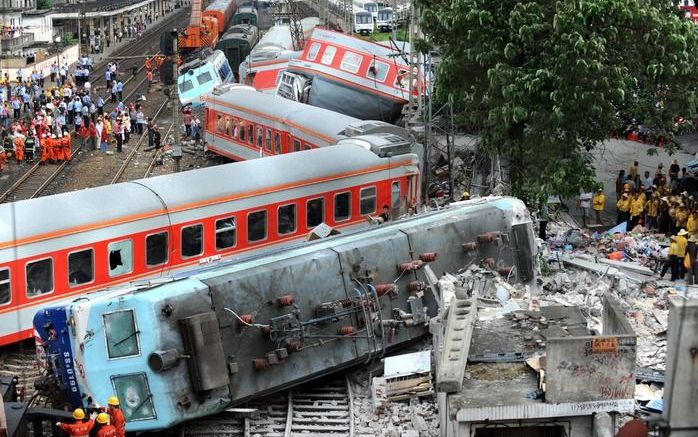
(219, 5)
(323, 121)
(100, 205)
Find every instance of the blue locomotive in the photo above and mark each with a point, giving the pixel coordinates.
(186, 347)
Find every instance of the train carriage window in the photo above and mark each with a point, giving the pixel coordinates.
(395, 195)
(277, 142)
(80, 267)
(219, 123)
(296, 145)
(156, 248)
(267, 139)
(121, 333)
(134, 390)
(260, 137)
(378, 71)
(306, 146)
(257, 226)
(241, 127)
(227, 126)
(286, 219)
(367, 200)
(351, 62)
(328, 55)
(314, 49)
(39, 277)
(204, 77)
(342, 206)
(185, 86)
(225, 233)
(314, 212)
(250, 134)
(192, 240)
(120, 258)
(5, 289)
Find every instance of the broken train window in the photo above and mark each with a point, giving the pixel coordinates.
(120, 258)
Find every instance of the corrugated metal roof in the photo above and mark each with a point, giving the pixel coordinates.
(540, 410)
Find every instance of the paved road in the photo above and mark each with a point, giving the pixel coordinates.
(614, 155)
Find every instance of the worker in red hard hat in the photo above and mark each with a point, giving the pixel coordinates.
(82, 426)
(105, 428)
(116, 416)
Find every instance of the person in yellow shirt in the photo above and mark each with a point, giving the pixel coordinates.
(623, 206)
(634, 173)
(652, 210)
(681, 216)
(598, 203)
(692, 222)
(637, 205)
(677, 252)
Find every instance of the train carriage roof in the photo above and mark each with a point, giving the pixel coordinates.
(219, 5)
(101, 205)
(323, 121)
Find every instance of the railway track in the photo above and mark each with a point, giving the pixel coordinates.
(309, 410)
(127, 171)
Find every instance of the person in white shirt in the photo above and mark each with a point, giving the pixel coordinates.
(585, 204)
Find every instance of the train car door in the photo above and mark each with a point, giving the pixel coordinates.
(412, 190)
(396, 198)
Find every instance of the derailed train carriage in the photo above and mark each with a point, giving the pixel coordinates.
(193, 346)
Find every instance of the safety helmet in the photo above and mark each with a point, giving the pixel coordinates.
(66, 134)
(113, 400)
(53, 136)
(102, 418)
(78, 414)
(465, 194)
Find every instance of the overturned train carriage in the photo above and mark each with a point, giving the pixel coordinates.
(190, 347)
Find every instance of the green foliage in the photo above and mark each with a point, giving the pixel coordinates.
(44, 4)
(546, 81)
(69, 39)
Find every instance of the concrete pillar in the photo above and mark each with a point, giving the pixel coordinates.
(681, 386)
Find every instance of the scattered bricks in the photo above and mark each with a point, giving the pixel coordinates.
(470, 246)
(286, 300)
(428, 257)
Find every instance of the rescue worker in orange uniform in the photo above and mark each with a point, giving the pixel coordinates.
(43, 148)
(105, 429)
(66, 146)
(116, 416)
(81, 427)
(19, 148)
(51, 144)
(148, 64)
(3, 157)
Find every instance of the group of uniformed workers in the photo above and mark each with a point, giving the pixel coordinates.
(109, 422)
(25, 147)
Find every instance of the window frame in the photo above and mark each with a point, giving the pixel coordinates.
(267, 140)
(259, 137)
(322, 208)
(354, 67)
(26, 278)
(250, 133)
(277, 145)
(8, 281)
(374, 196)
(216, 231)
(130, 240)
(135, 330)
(145, 247)
(334, 207)
(203, 243)
(314, 46)
(295, 218)
(297, 146)
(67, 259)
(328, 48)
(376, 78)
(266, 226)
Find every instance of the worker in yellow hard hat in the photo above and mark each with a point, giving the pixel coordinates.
(465, 196)
(116, 416)
(104, 428)
(82, 426)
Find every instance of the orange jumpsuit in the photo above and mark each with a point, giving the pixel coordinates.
(116, 418)
(51, 148)
(147, 64)
(3, 158)
(66, 147)
(78, 429)
(107, 431)
(19, 149)
(43, 143)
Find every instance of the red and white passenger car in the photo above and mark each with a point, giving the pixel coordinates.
(56, 248)
(242, 123)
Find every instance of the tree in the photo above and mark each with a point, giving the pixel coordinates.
(44, 4)
(546, 81)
